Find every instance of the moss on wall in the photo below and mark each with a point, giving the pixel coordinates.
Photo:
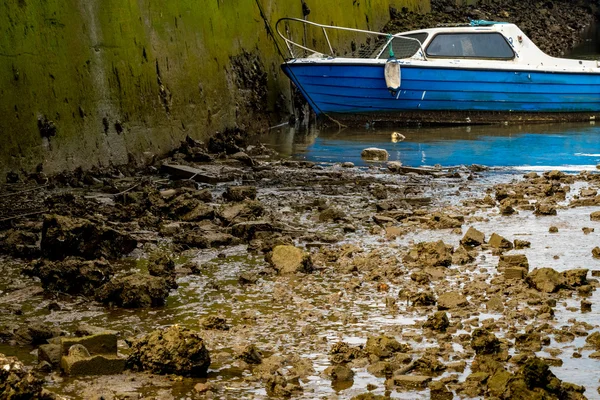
(86, 82)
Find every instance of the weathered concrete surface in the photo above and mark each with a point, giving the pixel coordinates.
(85, 82)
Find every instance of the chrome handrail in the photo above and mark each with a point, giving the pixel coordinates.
(290, 44)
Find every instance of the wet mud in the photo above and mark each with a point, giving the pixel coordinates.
(287, 278)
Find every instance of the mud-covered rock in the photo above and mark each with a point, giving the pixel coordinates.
(473, 238)
(240, 193)
(72, 275)
(250, 354)
(279, 386)
(437, 322)
(174, 350)
(17, 383)
(214, 322)
(484, 342)
(451, 300)
(66, 236)
(134, 291)
(429, 254)
(290, 260)
(339, 373)
(20, 243)
(161, 264)
(342, 352)
(375, 154)
(384, 346)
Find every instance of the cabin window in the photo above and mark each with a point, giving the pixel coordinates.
(404, 48)
(489, 45)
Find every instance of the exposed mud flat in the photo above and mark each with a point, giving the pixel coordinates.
(254, 276)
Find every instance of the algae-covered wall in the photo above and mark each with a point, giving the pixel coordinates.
(87, 82)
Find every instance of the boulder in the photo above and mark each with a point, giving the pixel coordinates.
(513, 261)
(484, 342)
(521, 244)
(16, 383)
(342, 352)
(339, 373)
(384, 346)
(161, 264)
(515, 273)
(545, 280)
(214, 322)
(134, 291)
(596, 252)
(36, 332)
(240, 193)
(174, 350)
(250, 354)
(437, 322)
(429, 254)
(50, 353)
(408, 382)
(595, 216)
(375, 154)
(545, 208)
(461, 256)
(290, 259)
(473, 238)
(498, 242)
(72, 275)
(66, 236)
(451, 300)
(576, 277)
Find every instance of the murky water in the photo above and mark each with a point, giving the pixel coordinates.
(561, 146)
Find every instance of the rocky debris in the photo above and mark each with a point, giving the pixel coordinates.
(408, 382)
(72, 275)
(214, 322)
(484, 342)
(473, 238)
(422, 299)
(134, 291)
(162, 265)
(437, 322)
(17, 383)
(498, 242)
(35, 333)
(342, 352)
(248, 210)
(513, 261)
(545, 208)
(595, 216)
(521, 244)
(549, 280)
(451, 300)
(384, 346)
(462, 256)
(250, 354)
(596, 252)
(339, 373)
(205, 240)
(20, 243)
(91, 355)
(279, 386)
(240, 193)
(439, 391)
(445, 221)
(429, 254)
(290, 260)
(50, 353)
(65, 236)
(173, 350)
(332, 214)
(375, 154)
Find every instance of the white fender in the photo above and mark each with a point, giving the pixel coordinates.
(393, 75)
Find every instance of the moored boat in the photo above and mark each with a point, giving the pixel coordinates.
(481, 72)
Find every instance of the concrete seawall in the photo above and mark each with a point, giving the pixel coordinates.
(93, 82)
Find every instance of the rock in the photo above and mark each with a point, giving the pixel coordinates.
(495, 303)
(73, 275)
(521, 244)
(248, 210)
(553, 229)
(394, 166)
(214, 322)
(290, 260)
(281, 387)
(240, 193)
(384, 346)
(65, 236)
(444, 221)
(375, 154)
(249, 230)
(429, 365)
(587, 231)
(439, 391)
(461, 256)
(250, 354)
(429, 254)
(498, 242)
(544, 208)
(512, 261)
(594, 340)
(409, 382)
(36, 333)
(174, 350)
(342, 352)
(161, 264)
(332, 214)
(451, 300)
(339, 373)
(473, 238)
(484, 342)
(576, 277)
(506, 209)
(515, 273)
(82, 363)
(205, 240)
(102, 343)
(16, 383)
(422, 299)
(545, 280)
(134, 291)
(243, 158)
(595, 216)
(596, 252)
(437, 322)
(347, 164)
(50, 353)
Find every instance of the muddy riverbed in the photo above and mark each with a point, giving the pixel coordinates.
(306, 280)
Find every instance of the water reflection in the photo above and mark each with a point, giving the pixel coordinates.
(563, 146)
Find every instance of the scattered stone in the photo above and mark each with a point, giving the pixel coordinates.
(290, 260)
(498, 242)
(596, 252)
(484, 342)
(429, 254)
(174, 350)
(65, 236)
(595, 216)
(553, 229)
(332, 214)
(437, 322)
(250, 354)
(586, 306)
(521, 244)
(512, 261)
(495, 303)
(134, 291)
(339, 373)
(473, 238)
(214, 322)
(545, 208)
(451, 300)
(439, 391)
(50, 353)
(384, 346)
(240, 193)
(409, 382)
(375, 154)
(545, 280)
(461, 256)
(342, 352)
(587, 231)
(347, 164)
(16, 383)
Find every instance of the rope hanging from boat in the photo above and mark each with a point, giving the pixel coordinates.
(391, 49)
(270, 33)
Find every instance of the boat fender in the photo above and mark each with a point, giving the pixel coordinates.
(393, 75)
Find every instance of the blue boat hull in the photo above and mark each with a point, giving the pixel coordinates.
(361, 89)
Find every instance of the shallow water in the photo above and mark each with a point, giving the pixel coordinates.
(544, 146)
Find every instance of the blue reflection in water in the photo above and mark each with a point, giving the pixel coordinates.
(558, 145)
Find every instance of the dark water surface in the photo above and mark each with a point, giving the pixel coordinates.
(536, 147)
